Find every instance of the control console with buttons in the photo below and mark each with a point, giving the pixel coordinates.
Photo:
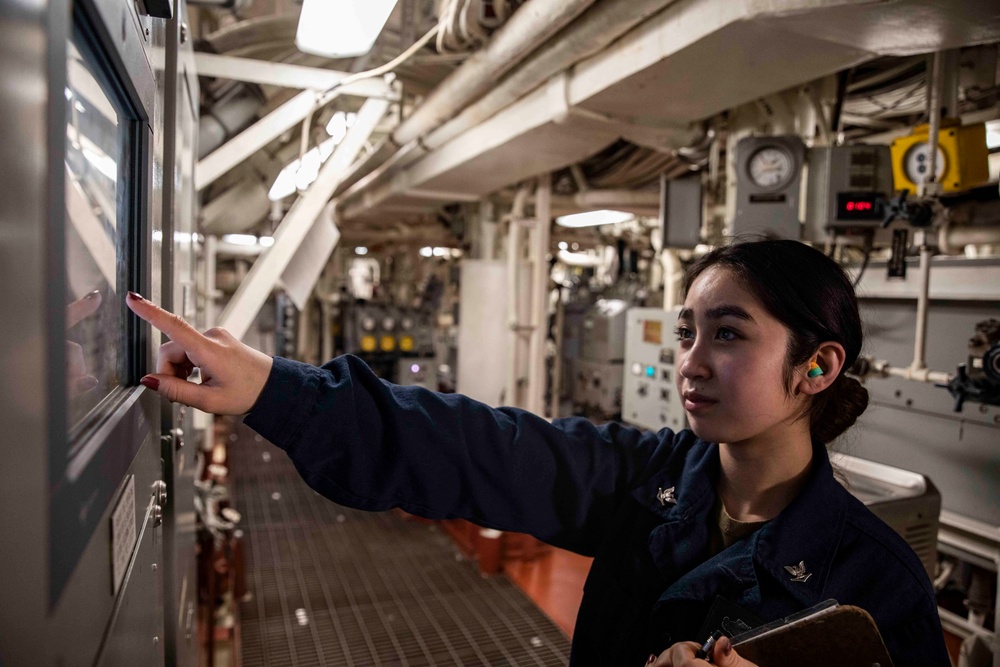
(649, 396)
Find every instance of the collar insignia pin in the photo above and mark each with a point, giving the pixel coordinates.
(798, 572)
(666, 496)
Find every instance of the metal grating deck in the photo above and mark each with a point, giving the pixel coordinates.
(335, 586)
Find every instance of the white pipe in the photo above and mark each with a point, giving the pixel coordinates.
(591, 34)
(533, 25)
(513, 365)
(599, 199)
(882, 369)
(579, 259)
(923, 298)
(954, 239)
(539, 295)
(515, 335)
(672, 273)
(934, 113)
(557, 361)
(918, 375)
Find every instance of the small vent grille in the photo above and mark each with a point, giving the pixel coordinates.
(334, 586)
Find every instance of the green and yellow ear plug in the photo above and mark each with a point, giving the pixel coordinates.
(814, 369)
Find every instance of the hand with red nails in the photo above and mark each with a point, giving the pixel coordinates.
(232, 374)
(683, 655)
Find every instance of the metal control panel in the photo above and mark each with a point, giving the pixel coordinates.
(649, 397)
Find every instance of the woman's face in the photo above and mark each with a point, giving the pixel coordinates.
(731, 359)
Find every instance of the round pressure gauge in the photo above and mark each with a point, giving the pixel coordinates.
(406, 323)
(916, 162)
(388, 323)
(367, 323)
(771, 167)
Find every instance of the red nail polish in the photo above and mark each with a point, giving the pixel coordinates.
(150, 382)
(652, 659)
(135, 296)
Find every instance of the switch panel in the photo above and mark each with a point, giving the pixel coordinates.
(649, 396)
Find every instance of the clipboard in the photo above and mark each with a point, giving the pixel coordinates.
(827, 635)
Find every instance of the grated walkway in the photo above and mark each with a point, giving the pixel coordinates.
(335, 586)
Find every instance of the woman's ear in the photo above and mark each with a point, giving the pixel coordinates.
(830, 357)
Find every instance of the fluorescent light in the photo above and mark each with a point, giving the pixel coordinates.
(284, 184)
(300, 174)
(426, 251)
(594, 218)
(337, 127)
(361, 250)
(240, 239)
(266, 241)
(341, 28)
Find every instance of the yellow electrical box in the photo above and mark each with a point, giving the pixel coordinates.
(388, 343)
(368, 343)
(962, 158)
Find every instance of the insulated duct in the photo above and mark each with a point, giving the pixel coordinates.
(528, 29)
(605, 22)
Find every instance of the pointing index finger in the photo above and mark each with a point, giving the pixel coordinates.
(173, 325)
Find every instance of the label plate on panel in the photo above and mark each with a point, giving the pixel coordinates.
(123, 534)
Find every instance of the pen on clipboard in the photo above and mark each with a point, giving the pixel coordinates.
(705, 652)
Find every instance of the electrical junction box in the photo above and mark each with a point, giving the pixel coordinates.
(681, 211)
(768, 185)
(847, 189)
(649, 390)
(962, 157)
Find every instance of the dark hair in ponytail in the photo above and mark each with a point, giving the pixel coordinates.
(812, 296)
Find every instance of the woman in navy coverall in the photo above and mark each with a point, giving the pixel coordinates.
(648, 506)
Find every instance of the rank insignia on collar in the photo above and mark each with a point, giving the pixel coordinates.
(666, 496)
(798, 572)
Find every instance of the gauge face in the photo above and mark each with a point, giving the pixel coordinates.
(388, 323)
(367, 323)
(406, 323)
(916, 163)
(770, 167)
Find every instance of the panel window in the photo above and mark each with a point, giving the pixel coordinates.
(95, 266)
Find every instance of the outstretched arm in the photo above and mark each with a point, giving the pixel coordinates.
(372, 445)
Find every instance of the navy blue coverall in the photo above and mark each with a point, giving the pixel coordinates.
(598, 491)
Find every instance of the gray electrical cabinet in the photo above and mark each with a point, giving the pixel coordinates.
(768, 186)
(649, 396)
(846, 190)
(87, 492)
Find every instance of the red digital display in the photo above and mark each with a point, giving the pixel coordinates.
(859, 206)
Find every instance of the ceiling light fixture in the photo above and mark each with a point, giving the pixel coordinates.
(594, 218)
(341, 28)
